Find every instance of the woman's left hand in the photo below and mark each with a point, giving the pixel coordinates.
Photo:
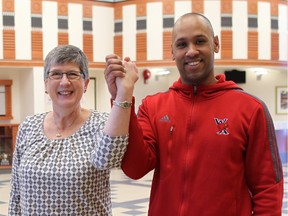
(125, 85)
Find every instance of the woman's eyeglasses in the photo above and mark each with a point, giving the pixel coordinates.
(71, 75)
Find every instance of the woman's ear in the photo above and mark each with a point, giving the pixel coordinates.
(86, 85)
(45, 82)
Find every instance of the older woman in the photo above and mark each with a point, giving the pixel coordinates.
(53, 171)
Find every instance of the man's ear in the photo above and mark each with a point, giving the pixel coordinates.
(216, 44)
(172, 54)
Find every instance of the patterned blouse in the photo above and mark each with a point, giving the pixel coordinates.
(68, 176)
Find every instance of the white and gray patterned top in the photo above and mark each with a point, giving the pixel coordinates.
(68, 176)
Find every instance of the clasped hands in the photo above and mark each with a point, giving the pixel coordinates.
(120, 75)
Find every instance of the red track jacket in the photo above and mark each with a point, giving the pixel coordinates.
(213, 149)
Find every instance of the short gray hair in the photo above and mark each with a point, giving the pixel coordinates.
(66, 54)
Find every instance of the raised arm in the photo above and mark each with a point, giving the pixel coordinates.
(121, 77)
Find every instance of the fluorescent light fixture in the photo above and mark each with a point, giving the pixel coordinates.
(260, 71)
(160, 71)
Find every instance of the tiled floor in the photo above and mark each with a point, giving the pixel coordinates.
(129, 197)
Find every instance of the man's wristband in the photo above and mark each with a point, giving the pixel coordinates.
(122, 104)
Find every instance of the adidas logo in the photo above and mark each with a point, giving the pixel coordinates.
(165, 119)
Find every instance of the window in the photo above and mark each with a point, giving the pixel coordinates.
(2, 101)
(5, 100)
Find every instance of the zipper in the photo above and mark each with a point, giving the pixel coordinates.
(186, 169)
(171, 130)
(195, 89)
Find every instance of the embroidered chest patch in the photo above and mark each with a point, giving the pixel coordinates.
(222, 126)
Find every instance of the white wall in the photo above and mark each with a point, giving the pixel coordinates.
(102, 93)
(265, 88)
(29, 98)
(153, 85)
(25, 94)
(38, 89)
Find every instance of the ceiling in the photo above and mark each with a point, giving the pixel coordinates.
(112, 1)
